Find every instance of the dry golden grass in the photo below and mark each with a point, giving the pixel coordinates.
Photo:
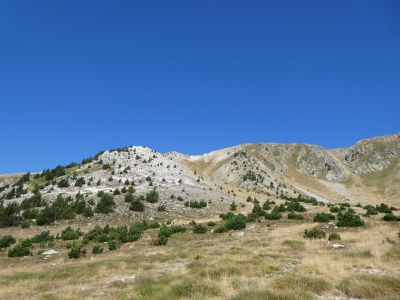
(270, 261)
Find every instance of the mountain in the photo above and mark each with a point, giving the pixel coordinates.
(368, 172)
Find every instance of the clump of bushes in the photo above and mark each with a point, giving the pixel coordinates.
(314, 234)
(233, 222)
(334, 237)
(6, 241)
(198, 228)
(166, 232)
(237, 222)
(349, 219)
(323, 217)
(161, 207)
(275, 213)
(69, 234)
(137, 205)
(19, 250)
(196, 204)
(152, 196)
(97, 249)
(43, 237)
(294, 206)
(293, 216)
(106, 204)
(76, 251)
(390, 217)
(113, 245)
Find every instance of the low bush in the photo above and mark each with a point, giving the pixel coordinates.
(161, 207)
(211, 223)
(69, 234)
(390, 217)
(6, 241)
(43, 237)
(165, 233)
(237, 222)
(196, 204)
(293, 216)
(274, 215)
(334, 237)
(294, 206)
(106, 204)
(314, 234)
(76, 251)
(198, 228)
(19, 250)
(152, 196)
(383, 208)
(97, 249)
(349, 219)
(323, 217)
(113, 245)
(137, 205)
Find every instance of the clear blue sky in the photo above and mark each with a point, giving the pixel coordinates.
(77, 77)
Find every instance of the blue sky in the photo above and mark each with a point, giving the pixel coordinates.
(77, 77)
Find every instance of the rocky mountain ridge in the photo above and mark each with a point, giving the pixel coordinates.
(367, 172)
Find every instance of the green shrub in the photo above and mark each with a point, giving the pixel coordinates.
(198, 228)
(113, 245)
(63, 183)
(257, 211)
(42, 237)
(69, 234)
(129, 197)
(137, 205)
(106, 204)
(250, 175)
(9, 215)
(165, 233)
(383, 208)
(152, 196)
(221, 229)
(267, 205)
(294, 206)
(25, 224)
(19, 250)
(334, 237)
(7, 241)
(46, 216)
(80, 182)
(211, 223)
(390, 217)
(196, 204)
(233, 206)
(323, 217)
(76, 251)
(334, 209)
(227, 216)
(274, 215)
(97, 249)
(161, 207)
(237, 222)
(88, 212)
(314, 234)
(348, 219)
(293, 216)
